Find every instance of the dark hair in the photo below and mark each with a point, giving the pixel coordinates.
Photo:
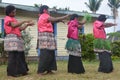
(102, 18)
(9, 9)
(42, 8)
(73, 16)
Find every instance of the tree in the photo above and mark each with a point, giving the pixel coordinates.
(37, 5)
(114, 5)
(93, 5)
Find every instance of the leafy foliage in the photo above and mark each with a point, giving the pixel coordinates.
(114, 5)
(117, 34)
(94, 5)
(115, 39)
(27, 40)
(37, 5)
(87, 17)
(116, 48)
(114, 36)
(3, 54)
(87, 47)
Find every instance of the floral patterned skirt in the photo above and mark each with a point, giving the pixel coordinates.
(13, 43)
(47, 41)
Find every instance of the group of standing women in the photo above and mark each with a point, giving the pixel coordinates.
(14, 43)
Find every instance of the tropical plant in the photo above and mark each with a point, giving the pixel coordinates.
(93, 5)
(3, 54)
(27, 41)
(116, 49)
(115, 39)
(115, 36)
(87, 17)
(114, 5)
(86, 42)
(37, 5)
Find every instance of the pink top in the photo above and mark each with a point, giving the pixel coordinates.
(10, 29)
(73, 29)
(98, 30)
(43, 24)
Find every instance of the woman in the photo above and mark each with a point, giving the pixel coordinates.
(14, 43)
(102, 45)
(47, 44)
(73, 46)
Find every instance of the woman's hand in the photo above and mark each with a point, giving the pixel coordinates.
(30, 23)
(27, 21)
(109, 24)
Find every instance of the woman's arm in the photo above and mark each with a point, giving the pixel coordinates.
(57, 19)
(26, 25)
(80, 26)
(109, 25)
(82, 22)
(18, 24)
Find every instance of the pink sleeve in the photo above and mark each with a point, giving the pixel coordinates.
(74, 24)
(98, 24)
(7, 21)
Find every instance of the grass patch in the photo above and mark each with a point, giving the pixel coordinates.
(61, 74)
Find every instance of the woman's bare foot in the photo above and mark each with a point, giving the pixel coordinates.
(50, 72)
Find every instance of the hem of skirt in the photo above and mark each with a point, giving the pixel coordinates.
(13, 50)
(75, 55)
(48, 48)
(101, 50)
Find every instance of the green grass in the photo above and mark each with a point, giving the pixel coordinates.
(61, 74)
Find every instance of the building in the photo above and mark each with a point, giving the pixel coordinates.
(30, 12)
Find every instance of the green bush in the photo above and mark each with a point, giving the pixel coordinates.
(3, 54)
(116, 49)
(87, 47)
(115, 39)
(115, 58)
(114, 36)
